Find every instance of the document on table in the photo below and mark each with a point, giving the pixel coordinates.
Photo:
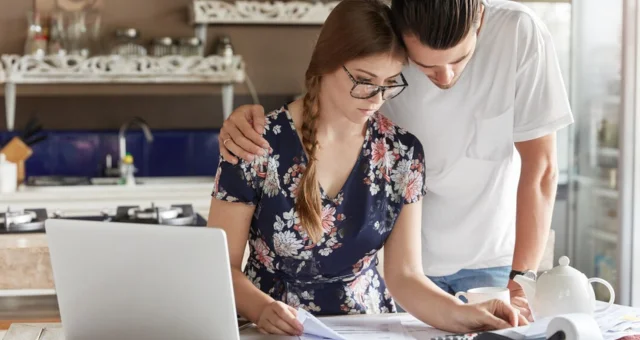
(371, 327)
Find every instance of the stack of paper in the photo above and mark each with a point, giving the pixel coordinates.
(618, 322)
(373, 327)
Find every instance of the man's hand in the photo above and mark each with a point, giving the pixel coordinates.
(519, 300)
(489, 315)
(241, 134)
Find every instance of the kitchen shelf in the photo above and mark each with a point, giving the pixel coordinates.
(205, 12)
(112, 69)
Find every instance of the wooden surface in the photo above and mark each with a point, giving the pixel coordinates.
(4, 324)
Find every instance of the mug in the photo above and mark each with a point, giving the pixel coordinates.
(482, 294)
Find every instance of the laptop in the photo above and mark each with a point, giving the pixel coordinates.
(141, 281)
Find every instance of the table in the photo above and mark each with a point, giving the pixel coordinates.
(371, 323)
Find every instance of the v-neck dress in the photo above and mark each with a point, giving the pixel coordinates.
(337, 275)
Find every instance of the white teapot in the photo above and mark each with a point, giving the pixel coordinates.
(562, 290)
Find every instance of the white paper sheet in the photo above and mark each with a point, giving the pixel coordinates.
(314, 328)
(354, 327)
(418, 330)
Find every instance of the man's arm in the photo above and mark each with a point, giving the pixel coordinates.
(536, 197)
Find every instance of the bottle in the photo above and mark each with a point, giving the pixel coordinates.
(8, 175)
(127, 170)
(36, 42)
(225, 50)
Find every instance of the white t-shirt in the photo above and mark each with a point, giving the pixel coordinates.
(511, 91)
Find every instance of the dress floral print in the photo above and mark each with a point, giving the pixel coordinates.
(338, 274)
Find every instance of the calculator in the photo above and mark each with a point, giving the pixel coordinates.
(473, 336)
(469, 336)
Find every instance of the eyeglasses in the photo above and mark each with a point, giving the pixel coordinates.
(364, 90)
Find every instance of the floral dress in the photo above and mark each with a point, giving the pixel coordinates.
(338, 274)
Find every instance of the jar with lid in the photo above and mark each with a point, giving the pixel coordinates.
(164, 46)
(189, 47)
(126, 43)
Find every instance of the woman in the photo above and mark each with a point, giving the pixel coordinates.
(339, 182)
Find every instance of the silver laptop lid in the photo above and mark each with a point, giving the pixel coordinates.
(142, 282)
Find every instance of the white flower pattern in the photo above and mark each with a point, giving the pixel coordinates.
(284, 263)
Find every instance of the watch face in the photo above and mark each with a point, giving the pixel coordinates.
(530, 274)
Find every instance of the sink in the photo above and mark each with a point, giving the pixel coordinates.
(109, 181)
(47, 181)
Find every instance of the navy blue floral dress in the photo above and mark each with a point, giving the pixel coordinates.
(337, 275)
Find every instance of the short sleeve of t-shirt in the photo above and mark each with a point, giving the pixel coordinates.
(239, 182)
(414, 188)
(541, 101)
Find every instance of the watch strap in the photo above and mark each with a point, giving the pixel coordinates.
(514, 273)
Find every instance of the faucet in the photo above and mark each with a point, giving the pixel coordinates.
(123, 139)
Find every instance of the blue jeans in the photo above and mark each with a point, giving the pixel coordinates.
(467, 279)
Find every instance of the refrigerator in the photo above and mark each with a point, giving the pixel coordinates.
(603, 162)
(599, 155)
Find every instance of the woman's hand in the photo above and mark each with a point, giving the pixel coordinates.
(279, 318)
(489, 315)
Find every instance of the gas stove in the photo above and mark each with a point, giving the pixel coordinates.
(32, 220)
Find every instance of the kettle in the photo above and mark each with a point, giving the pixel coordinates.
(562, 290)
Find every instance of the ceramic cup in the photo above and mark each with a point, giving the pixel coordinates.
(482, 294)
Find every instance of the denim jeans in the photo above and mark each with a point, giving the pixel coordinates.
(473, 278)
(467, 279)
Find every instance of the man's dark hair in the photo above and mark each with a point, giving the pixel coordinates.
(439, 24)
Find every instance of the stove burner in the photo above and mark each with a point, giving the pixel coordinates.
(27, 220)
(154, 213)
(177, 215)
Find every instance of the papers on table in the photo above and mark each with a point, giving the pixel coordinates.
(314, 328)
(616, 323)
(619, 321)
(371, 327)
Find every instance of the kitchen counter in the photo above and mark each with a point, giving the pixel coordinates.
(91, 199)
(149, 184)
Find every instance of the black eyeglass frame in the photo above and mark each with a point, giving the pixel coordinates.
(379, 88)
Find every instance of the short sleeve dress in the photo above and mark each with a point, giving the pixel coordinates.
(338, 274)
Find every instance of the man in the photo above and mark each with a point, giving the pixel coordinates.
(485, 98)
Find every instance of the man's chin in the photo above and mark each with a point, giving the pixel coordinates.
(445, 87)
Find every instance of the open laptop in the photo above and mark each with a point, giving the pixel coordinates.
(141, 281)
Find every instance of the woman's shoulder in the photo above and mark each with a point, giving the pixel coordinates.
(393, 134)
(278, 124)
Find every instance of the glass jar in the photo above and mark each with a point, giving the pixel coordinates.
(189, 47)
(164, 46)
(126, 44)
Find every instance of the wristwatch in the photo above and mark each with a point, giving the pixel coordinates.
(530, 274)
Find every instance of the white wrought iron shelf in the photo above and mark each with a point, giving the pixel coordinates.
(215, 70)
(16, 70)
(207, 12)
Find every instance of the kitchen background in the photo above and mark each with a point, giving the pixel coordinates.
(592, 223)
